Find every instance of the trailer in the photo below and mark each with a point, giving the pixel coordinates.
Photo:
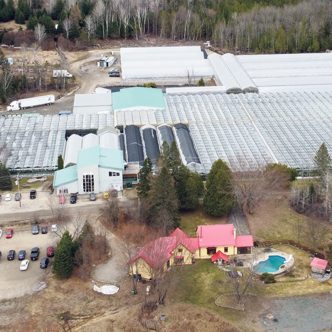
(21, 104)
(61, 73)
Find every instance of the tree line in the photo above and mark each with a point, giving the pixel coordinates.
(236, 25)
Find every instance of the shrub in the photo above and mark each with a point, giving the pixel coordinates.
(267, 278)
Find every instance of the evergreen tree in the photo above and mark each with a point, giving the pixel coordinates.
(201, 82)
(171, 157)
(47, 22)
(5, 181)
(19, 17)
(33, 21)
(322, 161)
(189, 188)
(58, 8)
(64, 257)
(144, 175)
(162, 203)
(60, 162)
(219, 197)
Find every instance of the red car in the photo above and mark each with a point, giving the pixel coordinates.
(50, 252)
(9, 233)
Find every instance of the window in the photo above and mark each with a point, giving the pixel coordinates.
(211, 251)
(88, 183)
(225, 249)
(180, 250)
(178, 260)
(113, 174)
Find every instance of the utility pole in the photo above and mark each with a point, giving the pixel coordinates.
(18, 187)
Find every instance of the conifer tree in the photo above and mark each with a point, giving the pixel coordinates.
(219, 197)
(144, 175)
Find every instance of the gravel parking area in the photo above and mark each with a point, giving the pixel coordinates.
(16, 283)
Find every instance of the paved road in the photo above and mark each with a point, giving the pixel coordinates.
(239, 220)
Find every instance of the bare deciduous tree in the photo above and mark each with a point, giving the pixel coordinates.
(39, 33)
(90, 26)
(67, 26)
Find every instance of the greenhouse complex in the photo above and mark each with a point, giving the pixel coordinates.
(263, 109)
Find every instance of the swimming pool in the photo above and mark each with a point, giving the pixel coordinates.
(270, 265)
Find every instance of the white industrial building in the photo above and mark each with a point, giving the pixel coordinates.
(93, 163)
(92, 103)
(160, 63)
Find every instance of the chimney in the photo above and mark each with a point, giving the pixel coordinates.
(234, 233)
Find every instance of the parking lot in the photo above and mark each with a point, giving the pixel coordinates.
(13, 282)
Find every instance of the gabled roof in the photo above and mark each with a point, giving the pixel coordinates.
(219, 255)
(244, 241)
(179, 234)
(156, 253)
(319, 263)
(215, 235)
(64, 176)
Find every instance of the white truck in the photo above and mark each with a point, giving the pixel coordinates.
(21, 104)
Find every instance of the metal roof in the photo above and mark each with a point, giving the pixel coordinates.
(134, 145)
(151, 143)
(147, 98)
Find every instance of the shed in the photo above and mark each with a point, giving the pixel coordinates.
(318, 265)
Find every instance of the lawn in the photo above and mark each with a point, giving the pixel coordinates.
(190, 221)
(200, 284)
(275, 220)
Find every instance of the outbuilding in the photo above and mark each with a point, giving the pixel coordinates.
(319, 265)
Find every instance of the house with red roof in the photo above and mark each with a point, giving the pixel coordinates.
(159, 255)
(223, 238)
(215, 242)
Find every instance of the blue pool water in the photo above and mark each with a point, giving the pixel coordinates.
(272, 264)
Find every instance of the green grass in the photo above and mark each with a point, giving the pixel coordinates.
(190, 221)
(24, 185)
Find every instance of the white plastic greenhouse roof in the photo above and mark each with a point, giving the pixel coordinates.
(164, 62)
(285, 72)
(246, 130)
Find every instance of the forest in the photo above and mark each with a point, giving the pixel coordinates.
(266, 26)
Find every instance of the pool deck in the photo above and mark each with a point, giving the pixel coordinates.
(263, 255)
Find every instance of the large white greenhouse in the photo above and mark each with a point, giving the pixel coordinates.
(248, 130)
(164, 63)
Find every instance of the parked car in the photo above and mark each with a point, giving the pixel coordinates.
(50, 251)
(11, 255)
(8, 197)
(35, 229)
(92, 197)
(9, 233)
(114, 73)
(73, 198)
(34, 254)
(21, 255)
(24, 265)
(44, 229)
(54, 228)
(44, 262)
(18, 196)
(33, 194)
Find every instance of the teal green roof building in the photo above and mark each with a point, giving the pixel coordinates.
(138, 97)
(106, 158)
(64, 176)
(94, 156)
